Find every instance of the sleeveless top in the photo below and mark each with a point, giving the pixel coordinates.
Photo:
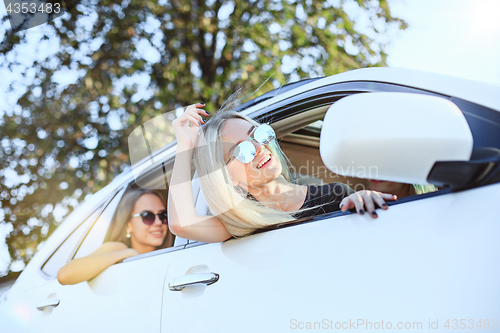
(328, 196)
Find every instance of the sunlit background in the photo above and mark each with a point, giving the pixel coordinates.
(454, 37)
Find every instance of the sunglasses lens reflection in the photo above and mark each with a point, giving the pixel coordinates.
(148, 218)
(245, 152)
(264, 134)
(163, 218)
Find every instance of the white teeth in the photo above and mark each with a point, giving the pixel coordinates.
(263, 161)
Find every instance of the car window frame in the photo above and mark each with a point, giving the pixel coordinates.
(120, 191)
(168, 161)
(327, 95)
(97, 210)
(314, 99)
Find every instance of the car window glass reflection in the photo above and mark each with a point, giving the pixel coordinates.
(61, 256)
(139, 225)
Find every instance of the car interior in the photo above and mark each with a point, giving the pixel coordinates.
(299, 139)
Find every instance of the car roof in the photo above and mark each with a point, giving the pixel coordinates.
(481, 93)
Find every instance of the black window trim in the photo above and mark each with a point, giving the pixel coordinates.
(331, 215)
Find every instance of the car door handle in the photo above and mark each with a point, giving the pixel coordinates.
(178, 283)
(47, 302)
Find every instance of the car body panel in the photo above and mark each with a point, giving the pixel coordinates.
(425, 259)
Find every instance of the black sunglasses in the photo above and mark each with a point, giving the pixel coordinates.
(149, 217)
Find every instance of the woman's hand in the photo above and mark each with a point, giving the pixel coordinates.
(186, 127)
(366, 200)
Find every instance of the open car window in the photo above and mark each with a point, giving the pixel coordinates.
(302, 148)
(97, 231)
(66, 250)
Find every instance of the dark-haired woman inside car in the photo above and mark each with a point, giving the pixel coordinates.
(139, 225)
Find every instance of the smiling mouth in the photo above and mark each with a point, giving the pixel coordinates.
(264, 162)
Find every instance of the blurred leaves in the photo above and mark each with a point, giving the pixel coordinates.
(115, 65)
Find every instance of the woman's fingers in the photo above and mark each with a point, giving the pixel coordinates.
(187, 125)
(354, 201)
(195, 115)
(196, 108)
(388, 196)
(344, 204)
(368, 201)
(190, 115)
(379, 200)
(193, 120)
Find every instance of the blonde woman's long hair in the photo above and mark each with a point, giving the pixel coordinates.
(240, 213)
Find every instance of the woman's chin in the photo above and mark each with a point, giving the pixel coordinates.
(264, 179)
(156, 240)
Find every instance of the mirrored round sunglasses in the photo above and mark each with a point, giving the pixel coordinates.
(245, 151)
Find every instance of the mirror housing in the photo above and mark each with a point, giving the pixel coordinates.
(393, 136)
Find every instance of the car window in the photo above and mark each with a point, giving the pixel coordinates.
(158, 178)
(317, 124)
(302, 148)
(65, 251)
(95, 236)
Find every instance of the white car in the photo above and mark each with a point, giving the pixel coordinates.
(429, 262)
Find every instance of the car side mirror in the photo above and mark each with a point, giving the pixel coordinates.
(393, 136)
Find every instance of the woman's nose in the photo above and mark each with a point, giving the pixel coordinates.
(258, 147)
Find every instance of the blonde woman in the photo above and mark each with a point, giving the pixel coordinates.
(139, 225)
(243, 176)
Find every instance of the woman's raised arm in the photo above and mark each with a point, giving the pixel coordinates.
(182, 218)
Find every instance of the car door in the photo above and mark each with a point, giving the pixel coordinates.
(425, 263)
(422, 261)
(30, 302)
(126, 297)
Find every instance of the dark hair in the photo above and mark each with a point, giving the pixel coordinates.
(118, 226)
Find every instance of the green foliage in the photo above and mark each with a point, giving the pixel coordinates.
(59, 138)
